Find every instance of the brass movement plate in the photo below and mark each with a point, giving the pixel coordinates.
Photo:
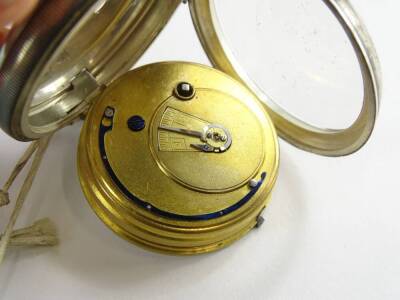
(207, 172)
(175, 174)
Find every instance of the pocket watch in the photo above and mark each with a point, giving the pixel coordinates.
(175, 157)
(178, 157)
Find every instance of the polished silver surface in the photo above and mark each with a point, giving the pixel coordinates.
(194, 133)
(215, 133)
(67, 52)
(210, 135)
(323, 141)
(253, 182)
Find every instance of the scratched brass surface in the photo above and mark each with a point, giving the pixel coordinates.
(161, 167)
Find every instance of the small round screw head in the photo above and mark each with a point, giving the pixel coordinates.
(184, 91)
(136, 123)
(253, 183)
(109, 112)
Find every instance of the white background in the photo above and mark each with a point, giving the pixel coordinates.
(332, 230)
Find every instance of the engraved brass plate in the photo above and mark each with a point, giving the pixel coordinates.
(173, 118)
(177, 175)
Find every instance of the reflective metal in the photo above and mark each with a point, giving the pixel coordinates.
(63, 41)
(212, 135)
(322, 141)
(151, 186)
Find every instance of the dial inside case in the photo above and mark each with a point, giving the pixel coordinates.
(178, 174)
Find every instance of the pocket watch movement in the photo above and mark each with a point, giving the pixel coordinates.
(178, 158)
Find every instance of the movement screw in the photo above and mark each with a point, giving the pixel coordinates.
(184, 91)
(136, 123)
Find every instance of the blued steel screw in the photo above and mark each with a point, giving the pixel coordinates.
(184, 91)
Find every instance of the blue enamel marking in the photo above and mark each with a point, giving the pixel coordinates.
(147, 206)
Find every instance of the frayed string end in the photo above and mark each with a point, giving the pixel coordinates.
(4, 198)
(42, 233)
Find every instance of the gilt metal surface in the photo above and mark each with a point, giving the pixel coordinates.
(152, 186)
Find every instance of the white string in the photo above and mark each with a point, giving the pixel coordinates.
(4, 196)
(40, 150)
(42, 233)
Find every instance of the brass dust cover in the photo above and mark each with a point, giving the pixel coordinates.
(178, 158)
